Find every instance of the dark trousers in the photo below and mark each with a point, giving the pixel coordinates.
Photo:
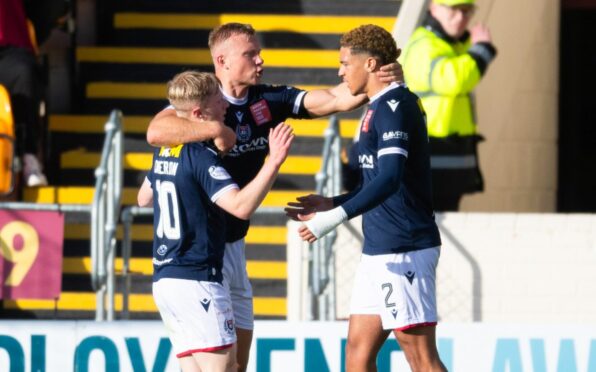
(446, 203)
(19, 75)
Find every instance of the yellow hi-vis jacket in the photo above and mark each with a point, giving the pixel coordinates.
(443, 75)
(443, 72)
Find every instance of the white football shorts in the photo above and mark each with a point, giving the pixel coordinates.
(400, 288)
(237, 284)
(197, 314)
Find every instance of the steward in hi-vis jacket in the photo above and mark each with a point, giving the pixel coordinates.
(443, 62)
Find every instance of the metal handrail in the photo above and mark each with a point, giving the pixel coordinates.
(322, 257)
(127, 217)
(105, 211)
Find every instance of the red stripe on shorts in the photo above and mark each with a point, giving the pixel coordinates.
(410, 326)
(205, 350)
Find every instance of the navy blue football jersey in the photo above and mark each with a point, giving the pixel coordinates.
(251, 117)
(394, 125)
(189, 229)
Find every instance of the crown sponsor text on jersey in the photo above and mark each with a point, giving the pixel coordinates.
(259, 143)
(260, 112)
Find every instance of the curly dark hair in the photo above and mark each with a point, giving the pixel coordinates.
(373, 40)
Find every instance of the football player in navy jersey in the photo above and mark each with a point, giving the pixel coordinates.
(394, 286)
(190, 190)
(254, 109)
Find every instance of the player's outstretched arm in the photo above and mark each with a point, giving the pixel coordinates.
(243, 203)
(323, 102)
(167, 129)
(145, 195)
(305, 206)
(318, 224)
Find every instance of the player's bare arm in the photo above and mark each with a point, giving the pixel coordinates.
(145, 195)
(243, 203)
(324, 102)
(167, 129)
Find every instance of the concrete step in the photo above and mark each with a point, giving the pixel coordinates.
(296, 23)
(290, 58)
(137, 124)
(84, 195)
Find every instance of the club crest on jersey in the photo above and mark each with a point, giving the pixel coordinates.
(364, 126)
(243, 133)
(162, 250)
(218, 173)
(260, 112)
(393, 104)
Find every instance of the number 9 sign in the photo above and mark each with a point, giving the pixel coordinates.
(21, 258)
(31, 254)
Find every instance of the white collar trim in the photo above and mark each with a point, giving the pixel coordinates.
(391, 86)
(233, 100)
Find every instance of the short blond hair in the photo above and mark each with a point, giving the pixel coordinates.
(222, 33)
(373, 40)
(190, 88)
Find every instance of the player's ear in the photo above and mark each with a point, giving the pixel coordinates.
(371, 64)
(220, 61)
(196, 112)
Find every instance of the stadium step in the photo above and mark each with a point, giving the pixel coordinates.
(141, 45)
(137, 124)
(84, 195)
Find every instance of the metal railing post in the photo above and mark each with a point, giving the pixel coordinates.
(104, 212)
(104, 217)
(322, 268)
(127, 219)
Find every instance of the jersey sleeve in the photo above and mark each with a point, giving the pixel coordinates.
(393, 130)
(290, 98)
(386, 182)
(211, 175)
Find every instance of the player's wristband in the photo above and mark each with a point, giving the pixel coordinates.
(323, 222)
